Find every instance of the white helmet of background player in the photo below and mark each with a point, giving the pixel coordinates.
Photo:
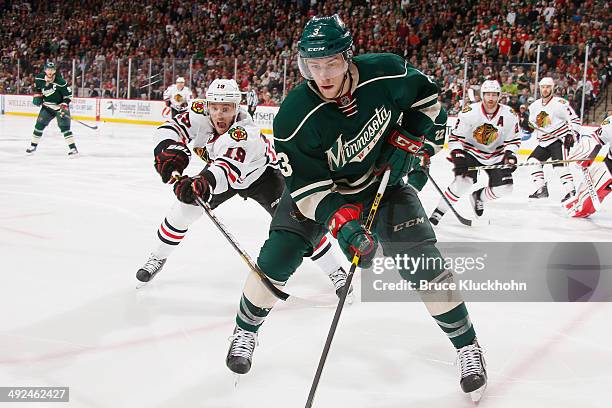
(490, 102)
(489, 86)
(547, 81)
(547, 86)
(180, 82)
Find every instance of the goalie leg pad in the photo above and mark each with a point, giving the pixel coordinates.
(582, 205)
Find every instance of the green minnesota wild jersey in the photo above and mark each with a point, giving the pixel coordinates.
(55, 92)
(328, 148)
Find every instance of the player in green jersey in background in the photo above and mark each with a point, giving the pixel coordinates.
(52, 94)
(334, 133)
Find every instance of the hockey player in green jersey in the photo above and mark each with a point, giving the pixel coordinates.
(52, 94)
(334, 133)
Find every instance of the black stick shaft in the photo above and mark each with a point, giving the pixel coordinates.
(349, 279)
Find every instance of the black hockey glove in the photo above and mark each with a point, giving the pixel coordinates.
(187, 189)
(170, 156)
(510, 159)
(568, 141)
(459, 159)
(399, 153)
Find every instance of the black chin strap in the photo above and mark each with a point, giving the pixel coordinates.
(342, 85)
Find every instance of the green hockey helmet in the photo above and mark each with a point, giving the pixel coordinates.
(50, 65)
(324, 37)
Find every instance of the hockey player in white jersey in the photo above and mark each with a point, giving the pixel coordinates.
(556, 126)
(581, 205)
(240, 161)
(485, 133)
(178, 96)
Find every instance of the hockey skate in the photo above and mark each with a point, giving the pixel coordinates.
(472, 369)
(149, 270)
(240, 354)
(477, 203)
(541, 192)
(436, 217)
(73, 152)
(338, 278)
(31, 149)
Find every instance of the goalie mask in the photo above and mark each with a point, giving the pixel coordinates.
(324, 37)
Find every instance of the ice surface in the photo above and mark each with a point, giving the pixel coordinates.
(73, 232)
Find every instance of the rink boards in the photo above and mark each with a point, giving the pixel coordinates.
(138, 111)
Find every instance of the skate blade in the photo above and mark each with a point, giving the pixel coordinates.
(237, 380)
(477, 395)
(141, 285)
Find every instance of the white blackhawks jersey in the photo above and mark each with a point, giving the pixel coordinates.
(484, 136)
(179, 100)
(556, 119)
(236, 158)
(587, 143)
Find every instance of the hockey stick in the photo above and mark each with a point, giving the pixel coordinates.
(349, 278)
(246, 258)
(243, 254)
(461, 219)
(507, 166)
(56, 108)
(92, 127)
(149, 84)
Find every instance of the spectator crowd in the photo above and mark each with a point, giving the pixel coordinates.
(255, 43)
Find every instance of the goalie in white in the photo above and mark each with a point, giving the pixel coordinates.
(485, 133)
(239, 161)
(177, 97)
(582, 205)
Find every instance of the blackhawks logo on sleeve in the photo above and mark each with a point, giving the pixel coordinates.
(202, 153)
(466, 109)
(543, 120)
(198, 106)
(238, 133)
(605, 122)
(486, 134)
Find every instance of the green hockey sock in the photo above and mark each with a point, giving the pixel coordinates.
(457, 326)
